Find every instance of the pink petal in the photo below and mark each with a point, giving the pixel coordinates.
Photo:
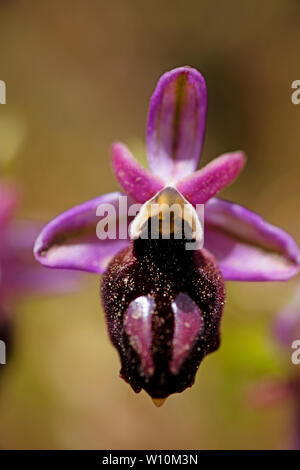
(207, 182)
(138, 327)
(136, 181)
(269, 392)
(20, 273)
(246, 247)
(286, 325)
(188, 324)
(176, 123)
(70, 240)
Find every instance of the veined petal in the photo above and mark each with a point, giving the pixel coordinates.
(176, 123)
(246, 247)
(199, 187)
(136, 181)
(70, 240)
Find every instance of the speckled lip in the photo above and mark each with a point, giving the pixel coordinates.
(163, 307)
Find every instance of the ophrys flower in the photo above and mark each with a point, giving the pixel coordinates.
(164, 303)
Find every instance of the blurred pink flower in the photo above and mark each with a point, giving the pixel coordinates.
(271, 392)
(19, 273)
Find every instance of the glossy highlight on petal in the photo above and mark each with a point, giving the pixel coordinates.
(70, 240)
(199, 187)
(188, 324)
(246, 247)
(138, 182)
(138, 327)
(176, 123)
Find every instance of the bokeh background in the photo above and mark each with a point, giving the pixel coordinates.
(79, 75)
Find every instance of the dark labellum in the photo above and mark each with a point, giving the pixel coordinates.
(163, 307)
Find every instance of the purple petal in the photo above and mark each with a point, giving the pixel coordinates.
(136, 181)
(246, 247)
(138, 327)
(286, 326)
(188, 324)
(20, 279)
(20, 273)
(176, 123)
(70, 240)
(207, 182)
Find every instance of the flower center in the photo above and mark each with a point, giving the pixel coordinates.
(168, 215)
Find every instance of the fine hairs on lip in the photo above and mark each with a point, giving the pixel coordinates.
(161, 270)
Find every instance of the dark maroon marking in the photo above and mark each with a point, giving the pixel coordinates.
(188, 325)
(179, 95)
(162, 269)
(138, 327)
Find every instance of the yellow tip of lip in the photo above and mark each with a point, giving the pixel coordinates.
(158, 401)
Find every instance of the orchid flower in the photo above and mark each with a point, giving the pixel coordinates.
(163, 303)
(19, 273)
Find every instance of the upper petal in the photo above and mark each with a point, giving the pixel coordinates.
(136, 181)
(209, 180)
(70, 240)
(176, 123)
(246, 247)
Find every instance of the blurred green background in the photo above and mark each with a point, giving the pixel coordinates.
(79, 75)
